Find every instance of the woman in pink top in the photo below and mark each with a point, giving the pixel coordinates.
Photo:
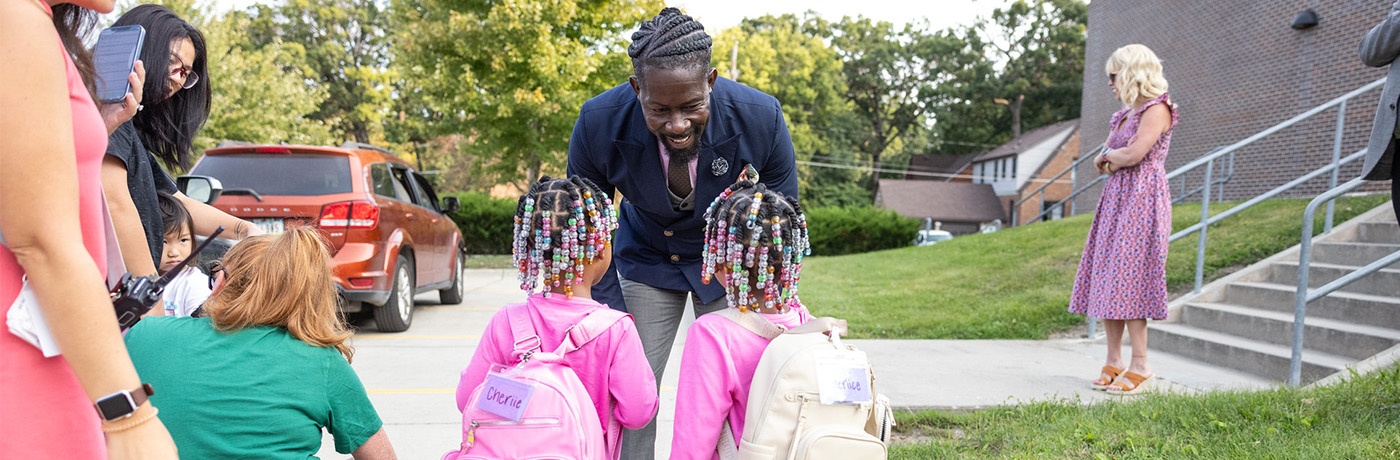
(755, 239)
(563, 230)
(52, 138)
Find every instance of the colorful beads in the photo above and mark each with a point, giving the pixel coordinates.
(560, 227)
(759, 243)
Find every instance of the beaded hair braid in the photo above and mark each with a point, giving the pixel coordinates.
(671, 40)
(753, 230)
(560, 226)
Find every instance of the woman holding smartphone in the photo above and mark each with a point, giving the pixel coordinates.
(52, 139)
(176, 104)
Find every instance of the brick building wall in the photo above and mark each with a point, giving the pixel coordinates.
(1235, 68)
(1053, 192)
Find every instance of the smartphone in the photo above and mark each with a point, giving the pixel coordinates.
(114, 58)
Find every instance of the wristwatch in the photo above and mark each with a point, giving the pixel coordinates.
(122, 404)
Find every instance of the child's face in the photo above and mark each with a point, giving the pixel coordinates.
(178, 246)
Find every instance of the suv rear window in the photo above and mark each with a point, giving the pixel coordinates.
(274, 174)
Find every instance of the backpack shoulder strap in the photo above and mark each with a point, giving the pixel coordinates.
(588, 328)
(728, 448)
(754, 322)
(526, 340)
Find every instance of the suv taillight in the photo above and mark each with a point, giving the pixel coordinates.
(349, 214)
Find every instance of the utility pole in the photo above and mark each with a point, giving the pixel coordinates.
(734, 62)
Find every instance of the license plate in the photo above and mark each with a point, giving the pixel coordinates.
(269, 226)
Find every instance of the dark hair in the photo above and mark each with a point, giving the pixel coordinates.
(173, 214)
(560, 225)
(671, 40)
(167, 125)
(74, 22)
(754, 230)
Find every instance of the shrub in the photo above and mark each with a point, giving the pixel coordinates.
(849, 230)
(486, 222)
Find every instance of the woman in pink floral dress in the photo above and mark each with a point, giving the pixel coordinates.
(1122, 275)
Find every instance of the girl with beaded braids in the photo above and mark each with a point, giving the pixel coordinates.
(755, 240)
(563, 245)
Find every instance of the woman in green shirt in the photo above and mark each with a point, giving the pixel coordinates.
(268, 368)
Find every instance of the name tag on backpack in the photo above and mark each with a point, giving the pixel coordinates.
(505, 397)
(842, 380)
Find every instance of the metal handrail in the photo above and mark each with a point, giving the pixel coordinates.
(1266, 195)
(1209, 161)
(1210, 157)
(1207, 219)
(1229, 174)
(1273, 129)
(1015, 208)
(1303, 295)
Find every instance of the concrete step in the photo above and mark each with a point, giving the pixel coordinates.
(1355, 341)
(1259, 358)
(1381, 311)
(1378, 232)
(1353, 254)
(1385, 282)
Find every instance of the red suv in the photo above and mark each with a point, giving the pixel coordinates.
(390, 235)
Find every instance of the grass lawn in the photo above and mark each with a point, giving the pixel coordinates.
(1357, 419)
(488, 261)
(1015, 283)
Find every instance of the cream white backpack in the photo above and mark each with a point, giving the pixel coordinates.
(812, 397)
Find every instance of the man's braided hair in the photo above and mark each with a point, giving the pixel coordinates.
(761, 237)
(671, 40)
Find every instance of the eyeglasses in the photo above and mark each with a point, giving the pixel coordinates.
(187, 74)
(1113, 77)
(214, 268)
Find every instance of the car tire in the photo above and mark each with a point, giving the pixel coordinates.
(397, 313)
(454, 293)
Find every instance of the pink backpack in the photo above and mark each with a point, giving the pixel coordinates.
(556, 415)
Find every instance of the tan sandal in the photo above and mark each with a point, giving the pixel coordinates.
(1139, 384)
(1102, 384)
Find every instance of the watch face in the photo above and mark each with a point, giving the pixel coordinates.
(116, 405)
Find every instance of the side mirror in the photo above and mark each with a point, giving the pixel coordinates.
(450, 205)
(203, 189)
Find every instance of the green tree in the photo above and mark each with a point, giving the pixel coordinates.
(343, 46)
(893, 78)
(511, 76)
(1039, 48)
(781, 57)
(255, 100)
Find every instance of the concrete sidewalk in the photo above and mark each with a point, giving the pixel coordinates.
(972, 374)
(411, 376)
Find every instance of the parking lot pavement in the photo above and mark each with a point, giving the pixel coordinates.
(412, 376)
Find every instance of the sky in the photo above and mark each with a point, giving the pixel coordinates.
(721, 14)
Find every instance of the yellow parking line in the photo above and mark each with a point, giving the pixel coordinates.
(412, 390)
(404, 336)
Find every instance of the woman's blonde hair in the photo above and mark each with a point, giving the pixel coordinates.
(282, 281)
(1139, 74)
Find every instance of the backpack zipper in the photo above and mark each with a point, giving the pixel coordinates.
(471, 432)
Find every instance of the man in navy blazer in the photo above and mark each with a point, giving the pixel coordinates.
(1379, 48)
(670, 140)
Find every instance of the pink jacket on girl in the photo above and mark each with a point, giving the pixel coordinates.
(716, 369)
(613, 366)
